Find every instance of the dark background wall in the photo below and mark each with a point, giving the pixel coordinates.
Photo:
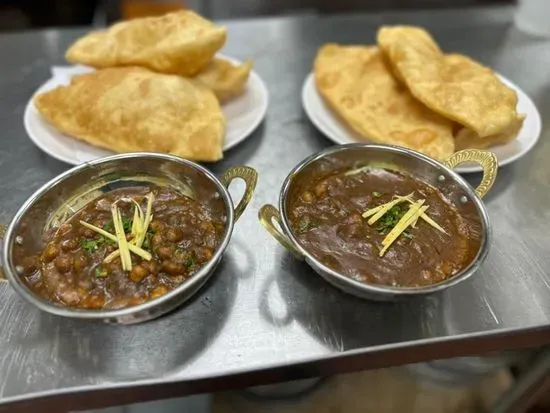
(25, 14)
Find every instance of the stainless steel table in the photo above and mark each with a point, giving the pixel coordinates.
(266, 317)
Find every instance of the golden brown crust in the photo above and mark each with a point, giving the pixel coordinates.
(357, 83)
(454, 86)
(468, 139)
(133, 109)
(180, 43)
(225, 79)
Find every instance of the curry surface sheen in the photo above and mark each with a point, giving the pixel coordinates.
(326, 219)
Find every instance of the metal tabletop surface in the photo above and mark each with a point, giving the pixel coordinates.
(265, 317)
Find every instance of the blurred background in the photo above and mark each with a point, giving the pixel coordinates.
(28, 14)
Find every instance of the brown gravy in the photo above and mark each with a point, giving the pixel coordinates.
(326, 217)
(71, 270)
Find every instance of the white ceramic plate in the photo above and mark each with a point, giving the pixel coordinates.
(243, 114)
(330, 125)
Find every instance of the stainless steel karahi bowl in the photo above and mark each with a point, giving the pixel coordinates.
(64, 195)
(438, 174)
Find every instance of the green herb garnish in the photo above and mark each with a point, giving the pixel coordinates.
(101, 272)
(390, 219)
(190, 262)
(188, 259)
(127, 225)
(109, 226)
(147, 240)
(376, 194)
(90, 245)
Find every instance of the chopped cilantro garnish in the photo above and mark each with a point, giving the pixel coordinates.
(190, 261)
(101, 272)
(390, 220)
(90, 245)
(187, 258)
(109, 226)
(127, 225)
(147, 240)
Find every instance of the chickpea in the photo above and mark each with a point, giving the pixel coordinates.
(166, 251)
(69, 244)
(80, 262)
(308, 197)
(159, 291)
(355, 218)
(156, 240)
(321, 189)
(173, 234)
(50, 252)
(446, 268)
(86, 232)
(93, 301)
(64, 228)
(207, 226)
(150, 266)
(171, 267)
(138, 273)
(85, 284)
(63, 263)
(98, 223)
(156, 226)
(204, 253)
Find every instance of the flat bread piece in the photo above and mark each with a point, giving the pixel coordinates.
(454, 85)
(468, 139)
(357, 84)
(132, 109)
(180, 43)
(225, 79)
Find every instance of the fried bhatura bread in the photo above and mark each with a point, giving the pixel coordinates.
(180, 43)
(133, 109)
(225, 79)
(357, 84)
(454, 86)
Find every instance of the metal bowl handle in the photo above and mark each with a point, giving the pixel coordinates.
(269, 215)
(486, 159)
(2, 234)
(250, 178)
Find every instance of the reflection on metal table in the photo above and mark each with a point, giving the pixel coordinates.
(266, 317)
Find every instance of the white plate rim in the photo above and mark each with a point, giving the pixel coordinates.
(255, 82)
(309, 89)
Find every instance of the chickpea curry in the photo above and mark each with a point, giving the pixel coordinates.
(124, 248)
(381, 226)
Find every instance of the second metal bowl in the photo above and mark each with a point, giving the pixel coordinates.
(439, 175)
